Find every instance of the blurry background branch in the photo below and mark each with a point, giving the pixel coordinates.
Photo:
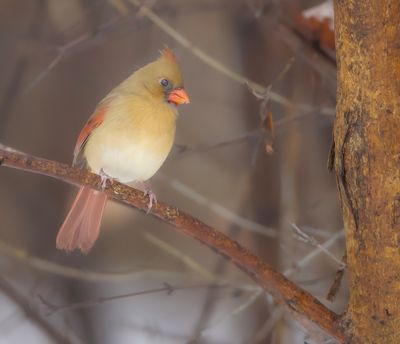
(255, 87)
(56, 269)
(69, 47)
(27, 307)
(285, 292)
(202, 55)
(169, 289)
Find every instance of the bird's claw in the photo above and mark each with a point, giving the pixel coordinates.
(152, 199)
(104, 178)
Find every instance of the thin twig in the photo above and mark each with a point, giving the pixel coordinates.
(220, 210)
(182, 151)
(334, 289)
(152, 331)
(169, 289)
(312, 255)
(285, 292)
(303, 236)
(267, 123)
(215, 64)
(25, 304)
(22, 63)
(46, 266)
(307, 53)
(275, 316)
(185, 259)
(237, 310)
(202, 55)
(63, 50)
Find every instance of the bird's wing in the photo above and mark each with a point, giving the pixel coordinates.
(94, 121)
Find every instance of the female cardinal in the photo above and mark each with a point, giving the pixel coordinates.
(127, 138)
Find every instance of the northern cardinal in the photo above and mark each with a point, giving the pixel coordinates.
(127, 138)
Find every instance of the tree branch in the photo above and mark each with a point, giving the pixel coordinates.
(285, 292)
(168, 288)
(24, 303)
(199, 53)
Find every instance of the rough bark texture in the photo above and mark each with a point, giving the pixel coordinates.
(367, 163)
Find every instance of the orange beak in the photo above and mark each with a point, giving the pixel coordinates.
(178, 97)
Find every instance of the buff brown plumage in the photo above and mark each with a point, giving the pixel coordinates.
(128, 137)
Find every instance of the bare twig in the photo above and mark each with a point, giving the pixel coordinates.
(202, 55)
(64, 49)
(243, 223)
(312, 255)
(46, 266)
(256, 8)
(303, 236)
(285, 292)
(215, 64)
(195, 266)
(334, 289)
(183, 151)
(25, 304)
(21, 66)
(153, 331)
(185, 259)
(256, 292)
(237, 310)
(258, 134)
(169, 289)
(275, 316)
(306, 52)
(267, 123)
(56, 269)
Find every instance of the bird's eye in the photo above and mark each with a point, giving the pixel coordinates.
(164, 83)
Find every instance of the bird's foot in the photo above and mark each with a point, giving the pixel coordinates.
(104, 178)
(152, 198)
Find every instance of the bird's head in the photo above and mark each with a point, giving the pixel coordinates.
(163, 79)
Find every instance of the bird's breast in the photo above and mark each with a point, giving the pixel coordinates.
(131, 146)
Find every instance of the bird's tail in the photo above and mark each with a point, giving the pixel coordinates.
(81, 227)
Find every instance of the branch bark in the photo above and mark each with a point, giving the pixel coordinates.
(367, 163)
(285, 292)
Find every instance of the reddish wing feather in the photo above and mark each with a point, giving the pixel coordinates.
(94, 121)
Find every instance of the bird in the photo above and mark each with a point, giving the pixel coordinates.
(127, 138)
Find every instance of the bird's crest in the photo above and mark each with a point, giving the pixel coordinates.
(168, 54)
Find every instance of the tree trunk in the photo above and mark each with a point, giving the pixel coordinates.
(367, 163)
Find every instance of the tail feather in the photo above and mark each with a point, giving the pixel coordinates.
(81, 227)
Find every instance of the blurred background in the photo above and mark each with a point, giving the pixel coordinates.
(251, 163)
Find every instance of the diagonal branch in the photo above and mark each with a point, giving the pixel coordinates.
(285, 292)
(199, 53)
